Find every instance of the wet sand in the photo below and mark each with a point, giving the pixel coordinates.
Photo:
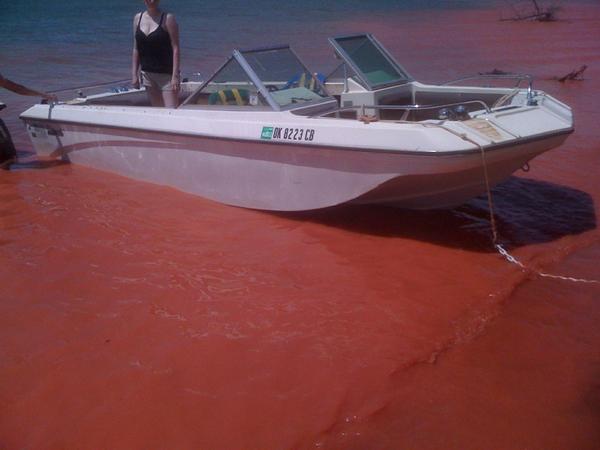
(136, 316)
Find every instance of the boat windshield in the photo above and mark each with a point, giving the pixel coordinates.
(265, 77)
(369, 61)
(285, 77)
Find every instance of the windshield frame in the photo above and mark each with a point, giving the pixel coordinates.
(362, 77)
(238, 56)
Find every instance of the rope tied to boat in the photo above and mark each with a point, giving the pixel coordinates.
(501, 250)
(489, 193)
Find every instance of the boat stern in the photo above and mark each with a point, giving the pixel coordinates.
(45, 135)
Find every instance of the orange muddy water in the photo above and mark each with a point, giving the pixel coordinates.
(136, 316)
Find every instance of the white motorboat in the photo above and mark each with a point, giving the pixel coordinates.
(264, 132)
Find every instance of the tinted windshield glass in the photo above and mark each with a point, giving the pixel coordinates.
(229, 86)
(282, 73)
(371, 61)
(272, 77)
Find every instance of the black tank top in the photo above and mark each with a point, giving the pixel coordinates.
(155, 50)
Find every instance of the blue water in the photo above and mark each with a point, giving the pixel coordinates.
(60, 45)
(52, 44)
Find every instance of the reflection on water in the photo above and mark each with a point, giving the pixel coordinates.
(527, 212)
(532, 211)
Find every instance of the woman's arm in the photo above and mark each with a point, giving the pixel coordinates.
(173, 30)
(20, 89)
(135, 57)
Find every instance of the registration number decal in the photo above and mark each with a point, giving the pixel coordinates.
(288, 134)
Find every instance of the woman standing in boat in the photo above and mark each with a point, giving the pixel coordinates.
(155, 58)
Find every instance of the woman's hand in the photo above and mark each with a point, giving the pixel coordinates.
(135, 82)
(176, 82)
(49, 97)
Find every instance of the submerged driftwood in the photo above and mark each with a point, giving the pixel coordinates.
(496, 72)
(573, 75)
(535, 12)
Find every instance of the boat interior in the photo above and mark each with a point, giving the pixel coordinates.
(368, 83)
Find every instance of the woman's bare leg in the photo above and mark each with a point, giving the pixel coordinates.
(170, 98)
(155, 96)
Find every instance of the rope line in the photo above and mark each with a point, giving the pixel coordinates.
(501, 250)
(489, 196)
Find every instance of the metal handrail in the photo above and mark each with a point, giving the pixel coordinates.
(423, 124)
(402, 107)
(518, 76)
(89, 86)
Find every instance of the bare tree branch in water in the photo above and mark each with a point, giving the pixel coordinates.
(573, 75)
(531, 10)
(495, 72)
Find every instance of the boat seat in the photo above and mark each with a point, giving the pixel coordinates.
(304, 79)
(239, 97)
(293, 95)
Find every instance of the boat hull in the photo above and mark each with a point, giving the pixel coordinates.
(283, 176)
